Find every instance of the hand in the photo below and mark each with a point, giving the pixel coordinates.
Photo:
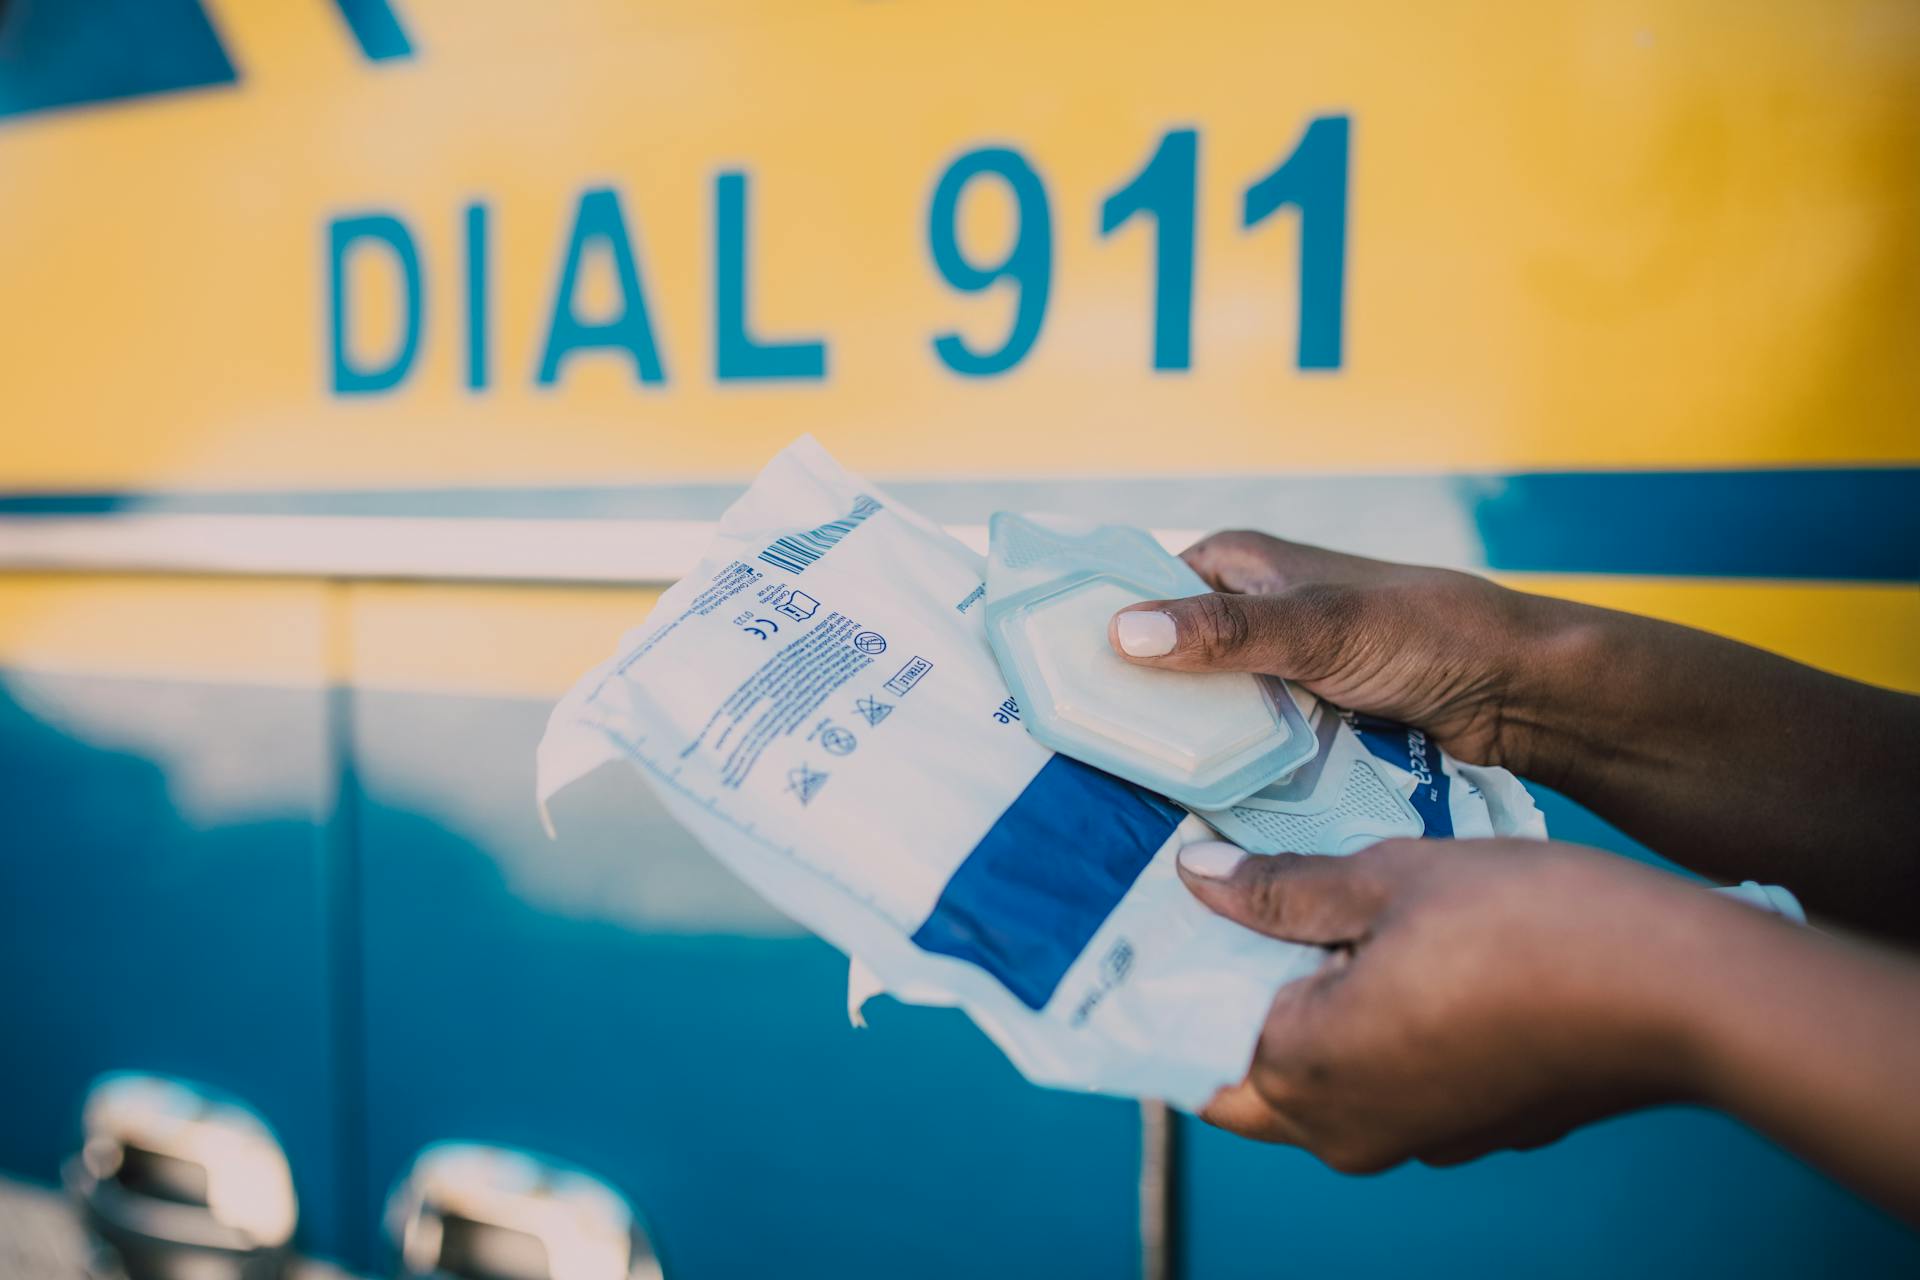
(1440, 650)
(1679, 738)
(1482, 994)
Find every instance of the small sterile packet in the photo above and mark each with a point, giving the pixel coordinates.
(1204, 739)
(1374, 780)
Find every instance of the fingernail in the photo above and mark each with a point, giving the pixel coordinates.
(1145, 633)
(1211, 859)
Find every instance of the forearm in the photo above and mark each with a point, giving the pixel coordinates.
(1815, 1041)
(1729, 759)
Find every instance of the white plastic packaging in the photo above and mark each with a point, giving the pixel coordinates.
(818, 704)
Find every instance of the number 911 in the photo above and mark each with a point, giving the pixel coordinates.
(1311, 178)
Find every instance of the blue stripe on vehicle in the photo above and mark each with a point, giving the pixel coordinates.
(1843, 523)
(1034, 891)
(1859, 524)
(1411, 750)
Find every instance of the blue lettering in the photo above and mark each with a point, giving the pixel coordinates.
(736, 353)
(1313, 179)
(598, 217)
(1028, 264)
(351, 376)
(477, 296)
(1163, 191)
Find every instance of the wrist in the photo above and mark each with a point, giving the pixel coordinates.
(1703, 949)
(1555, 650)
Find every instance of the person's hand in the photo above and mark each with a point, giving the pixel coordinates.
(1440, 650)
(1676, 737)
(1482, 994)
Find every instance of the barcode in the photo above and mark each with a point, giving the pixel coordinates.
(796, 551)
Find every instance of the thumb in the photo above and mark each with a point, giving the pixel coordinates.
(1298, 633)
(1298, 897)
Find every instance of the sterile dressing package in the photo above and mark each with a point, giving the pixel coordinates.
(1341, 800)
(1204, 740)
(818, 703)
(1374, 780)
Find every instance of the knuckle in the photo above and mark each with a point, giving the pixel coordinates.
(1221, 539)
(1220, 626)
(1273, 1082)
(1220, 544)
(1240, 560)
(1340, 1156)
(1267, 899)
(1324, 617)
(1355, 1156)
(1335, 605)
(1389, 856)
(1269, 879)
(1394, 868)
(1242, 539)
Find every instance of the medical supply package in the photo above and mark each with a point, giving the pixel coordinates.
(1203, 739)
(818, 703)
(1374, 780)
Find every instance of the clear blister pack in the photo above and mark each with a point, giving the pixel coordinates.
(1205, 740)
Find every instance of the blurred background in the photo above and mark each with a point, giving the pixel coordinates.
(367, 366)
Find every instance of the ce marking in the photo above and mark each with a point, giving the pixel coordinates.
(762, 627)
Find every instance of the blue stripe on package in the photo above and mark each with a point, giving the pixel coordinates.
(1409, 749)
(1025, 917)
